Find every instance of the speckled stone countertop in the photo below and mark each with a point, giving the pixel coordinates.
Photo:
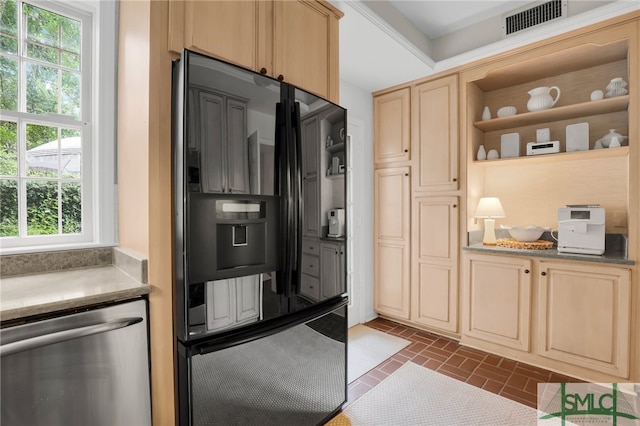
(615, 250)
(27, 295)
(44, 283)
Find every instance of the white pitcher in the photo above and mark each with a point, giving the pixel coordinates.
(541, 98)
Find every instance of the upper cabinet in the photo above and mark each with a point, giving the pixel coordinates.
(435, 134)
(391, 117)
(293, 41)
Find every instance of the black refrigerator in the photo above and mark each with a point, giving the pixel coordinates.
(259, 183)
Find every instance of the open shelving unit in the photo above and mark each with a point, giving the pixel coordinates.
(532, 188)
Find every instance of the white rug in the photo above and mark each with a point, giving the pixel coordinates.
(414, 395)
(366, 348)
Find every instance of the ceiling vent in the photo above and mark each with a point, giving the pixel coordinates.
(530, 17)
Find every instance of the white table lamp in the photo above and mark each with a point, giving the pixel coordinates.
(488, 209)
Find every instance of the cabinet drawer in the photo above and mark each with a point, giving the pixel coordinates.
(310, 246)
(310, 287)
(310, 265)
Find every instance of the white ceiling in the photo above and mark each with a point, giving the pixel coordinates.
(437, 17)
(388, 42)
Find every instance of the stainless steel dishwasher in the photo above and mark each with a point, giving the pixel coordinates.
(89, 368)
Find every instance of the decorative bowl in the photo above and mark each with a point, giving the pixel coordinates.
(507, 111)
(525, 233)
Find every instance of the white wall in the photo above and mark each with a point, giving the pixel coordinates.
(359, 105)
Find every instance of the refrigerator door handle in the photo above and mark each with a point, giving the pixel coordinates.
(283, 188)
(291, 199)
(296, 241)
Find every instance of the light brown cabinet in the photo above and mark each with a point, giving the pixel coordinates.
(496, 300)
(294, 41)
(418, 126)
(577, 65)
(391, 237)
(584, 316)
(434, 134)
(392, 130)
(566, 316)
(434, 287)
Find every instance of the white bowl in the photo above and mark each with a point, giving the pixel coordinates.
(525, 233)
(507, 111)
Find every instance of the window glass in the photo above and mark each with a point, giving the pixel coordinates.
(41, 135)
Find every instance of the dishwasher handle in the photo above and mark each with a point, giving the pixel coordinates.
(65, 335)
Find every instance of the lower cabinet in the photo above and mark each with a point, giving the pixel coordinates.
(392, 225)
(233, 301)
(584, 316)
(310, 277)
(571, 317)
(323, 269)
(497, 300)
(332, 261)
(434, 275)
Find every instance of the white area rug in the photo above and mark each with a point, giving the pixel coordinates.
(414, 395)
(366, 348)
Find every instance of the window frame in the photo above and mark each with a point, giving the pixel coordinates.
(98, 106)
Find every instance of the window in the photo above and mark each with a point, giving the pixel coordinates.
(54, 137)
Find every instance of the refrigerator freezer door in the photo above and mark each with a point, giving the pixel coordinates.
(295, 375)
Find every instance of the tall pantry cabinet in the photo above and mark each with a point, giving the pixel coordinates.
(416, 204)
(391, 199)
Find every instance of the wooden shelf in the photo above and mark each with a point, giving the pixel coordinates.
(560, 156)
(585, 109)
(565, 61)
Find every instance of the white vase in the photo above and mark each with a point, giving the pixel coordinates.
(486, 113)
(482, 154)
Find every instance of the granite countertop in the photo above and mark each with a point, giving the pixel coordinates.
(615, 249)
(617, 257)
(107, 276)
(36, 294)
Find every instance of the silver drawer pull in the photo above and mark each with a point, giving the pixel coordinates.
(63, 336)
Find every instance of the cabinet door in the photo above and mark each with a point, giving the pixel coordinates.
(212, 143)
(434, 293)
(310, 215)
(391, 118)
(391, 204)
(226, 29)
(497, 300)
(435, 135)
(305, 46)
(248, 298)
(391, 236)
(310, 287)
(332, 272)
(237, 147)
(310, 147)
(584, 315)
(221, 304)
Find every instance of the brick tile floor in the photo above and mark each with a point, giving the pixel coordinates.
(505, 377)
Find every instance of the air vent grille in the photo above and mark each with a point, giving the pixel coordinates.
(533, 16)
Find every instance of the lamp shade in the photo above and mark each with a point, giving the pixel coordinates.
(489, 207)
